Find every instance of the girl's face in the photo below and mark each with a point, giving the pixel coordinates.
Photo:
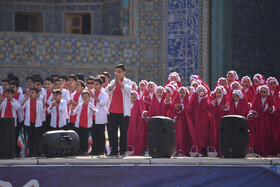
(150, 88)
(190, 90)
(234, 87)
(173, 78)
(263, 93)
(133, 87)
(224, 84)
(168, 93)
(159, 93)
(236, 97)
(201, 92)
(256, 83)
(133, 98)
(246, 84)
(195, 85)
(182, 94)
(230, 78)
(219, 94)
(142, 87)
(272, 85)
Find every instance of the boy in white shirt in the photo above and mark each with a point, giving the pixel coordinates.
(100, 118)
(34, 110)
(58, 111)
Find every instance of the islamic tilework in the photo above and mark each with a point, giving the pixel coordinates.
(255, 37)
(53, 21)
(142, 53)
(52, 15)
(150, 12)
(5, 17)
(50, 51)
(182, 37)
(111, 17)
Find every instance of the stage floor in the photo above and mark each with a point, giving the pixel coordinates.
(141, 160)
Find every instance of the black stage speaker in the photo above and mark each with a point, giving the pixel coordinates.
(234, 136)
(7, 138)
(161, 137)
(59, 143)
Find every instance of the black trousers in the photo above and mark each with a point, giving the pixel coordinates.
(114, 122)
(34, 134)
(83, 135)
(48, 123)
(98, 138)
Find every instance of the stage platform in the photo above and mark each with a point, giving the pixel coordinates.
(140, 160)
(139, 171)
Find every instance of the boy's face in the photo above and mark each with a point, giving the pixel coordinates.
(107, 79)
(30, 83)
(219, 94)
(79, 87)
(58, 85)
(272, 85)
(97, 86)
(33, 94)
(230, 78)
(49, 85)
(150, 88)
(64, 83)
(14, 88)
(263, 93)
(159, 93)
(256, 83)
(38, 85)
(5, 85)
(236, 97)
(182, 94)
(71, 82)
(9, 95)
(142, 87)
(133, 98)
(85, 98)
(57, 97)
(120, 72)
(246, 83)
(90, 84)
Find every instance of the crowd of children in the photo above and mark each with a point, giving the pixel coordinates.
(92, 105)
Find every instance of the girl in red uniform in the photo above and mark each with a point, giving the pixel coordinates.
(261, 116)
(248, 89)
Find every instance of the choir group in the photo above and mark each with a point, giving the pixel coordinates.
(120, 105)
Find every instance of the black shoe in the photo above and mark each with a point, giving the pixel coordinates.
(123, 153)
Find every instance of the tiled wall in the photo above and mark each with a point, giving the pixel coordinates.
(165, 39)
